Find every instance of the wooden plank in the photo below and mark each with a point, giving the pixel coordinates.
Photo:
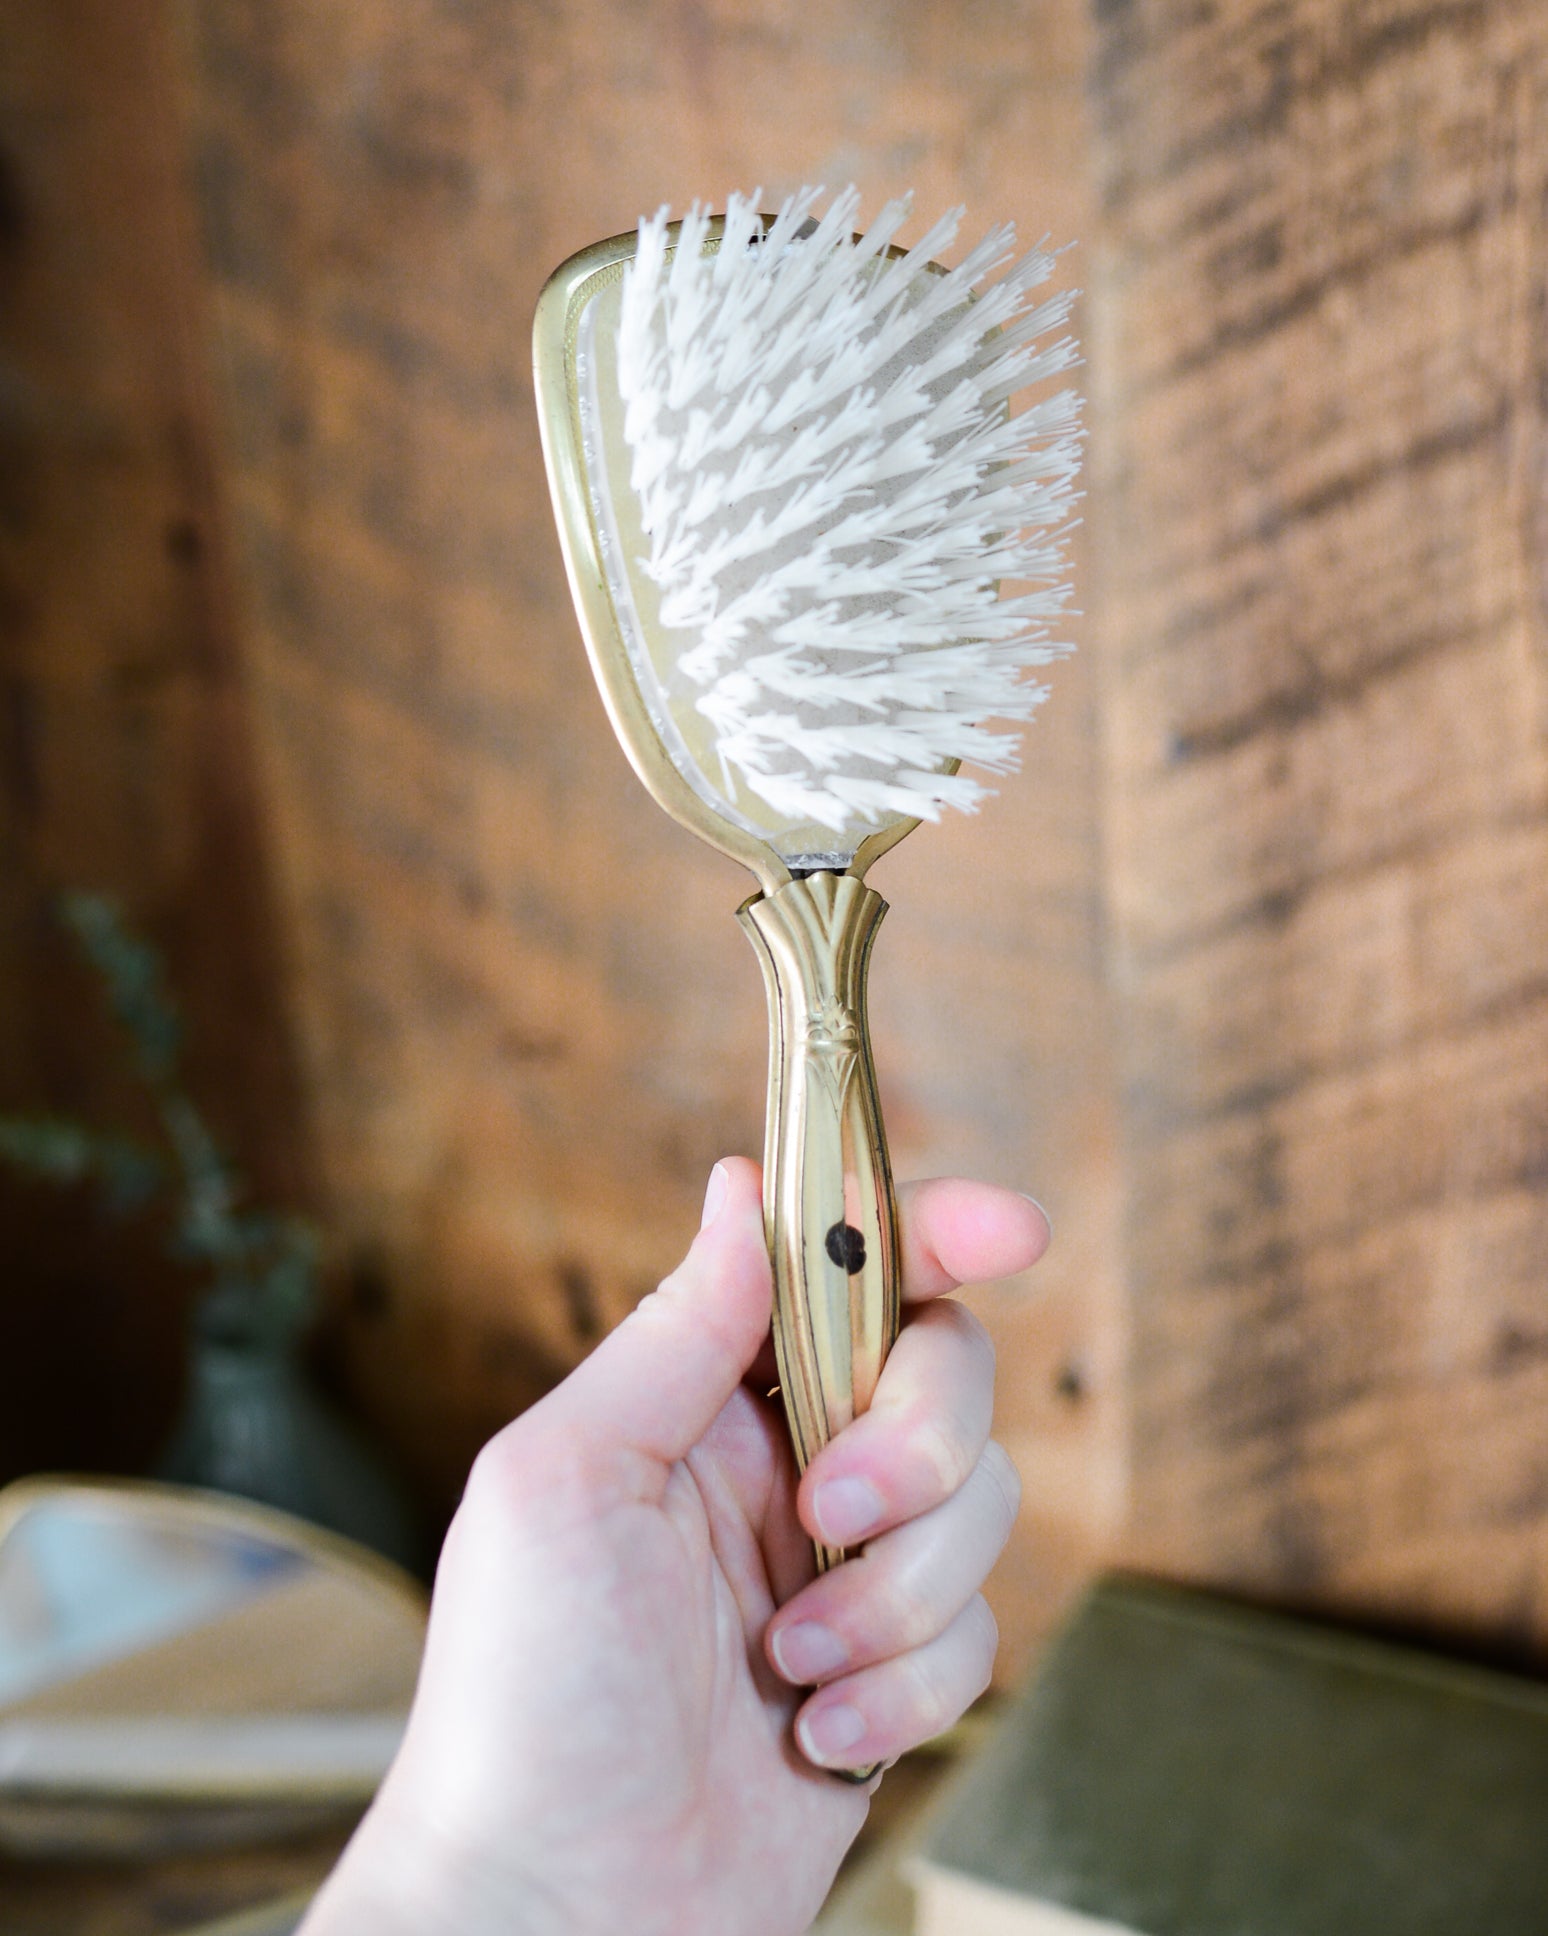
(1444, 939)
(1325, 451)
(124, 761)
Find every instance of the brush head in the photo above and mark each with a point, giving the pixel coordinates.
(807, 489)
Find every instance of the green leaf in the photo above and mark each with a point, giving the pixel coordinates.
(132, 974)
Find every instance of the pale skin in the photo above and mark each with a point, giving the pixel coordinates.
(615, 1726)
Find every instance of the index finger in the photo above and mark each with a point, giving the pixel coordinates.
(957, 1232)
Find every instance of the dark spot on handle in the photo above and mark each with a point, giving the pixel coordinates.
(846, 1246)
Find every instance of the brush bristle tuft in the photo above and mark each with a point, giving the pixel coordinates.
(832, 490)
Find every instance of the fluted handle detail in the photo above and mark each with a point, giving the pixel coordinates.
(828, 1203)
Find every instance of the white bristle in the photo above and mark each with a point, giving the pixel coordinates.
(832, 491)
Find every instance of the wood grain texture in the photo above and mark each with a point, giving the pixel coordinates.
(1323, 460)
(528, 1023)
(124, 761)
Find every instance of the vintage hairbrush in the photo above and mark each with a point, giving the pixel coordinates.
(789, 488)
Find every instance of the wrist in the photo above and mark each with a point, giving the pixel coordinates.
(399, 1876)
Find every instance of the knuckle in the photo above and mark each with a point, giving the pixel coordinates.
(902, 1613)
(656, 1306)
(930, 1699)
(1000, 1473)
(943, 1450)
(499, 1467)
(527, 1475)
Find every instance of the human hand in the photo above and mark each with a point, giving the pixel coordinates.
(613, 1728)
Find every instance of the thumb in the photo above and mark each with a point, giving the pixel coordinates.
(658, 1382)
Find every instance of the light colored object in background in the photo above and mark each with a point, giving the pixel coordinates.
(181, 1668)
(167, 1757)
(84, 1581)
(787, 483)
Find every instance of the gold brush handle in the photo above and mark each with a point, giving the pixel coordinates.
(828, 1202)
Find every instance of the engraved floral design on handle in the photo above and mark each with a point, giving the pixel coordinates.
(833, 1047)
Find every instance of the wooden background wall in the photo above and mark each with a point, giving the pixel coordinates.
(1247, 976)
(1323, 526)
(521, 1018)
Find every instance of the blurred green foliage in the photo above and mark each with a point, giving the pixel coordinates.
(260, 1266)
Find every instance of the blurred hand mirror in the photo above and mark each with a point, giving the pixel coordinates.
(180, 1669)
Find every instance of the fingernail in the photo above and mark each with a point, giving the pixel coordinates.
(1040, 1208)
(714, 1195)
(846, 1510)
(827, 1733)
(807, 1652)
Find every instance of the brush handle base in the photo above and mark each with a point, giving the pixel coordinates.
(828, 1203)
